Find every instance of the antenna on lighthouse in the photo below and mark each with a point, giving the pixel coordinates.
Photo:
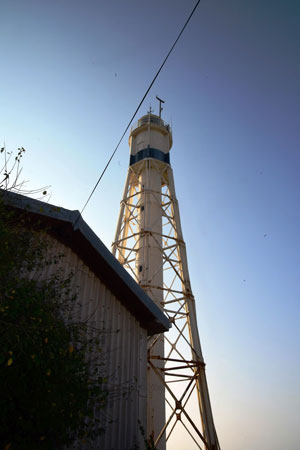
(150, 110)
(160, 107)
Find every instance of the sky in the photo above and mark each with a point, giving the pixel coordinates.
(72, 74)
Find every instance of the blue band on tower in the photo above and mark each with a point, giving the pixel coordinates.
(150, 153)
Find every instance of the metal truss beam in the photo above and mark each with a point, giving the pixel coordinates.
(182, 366)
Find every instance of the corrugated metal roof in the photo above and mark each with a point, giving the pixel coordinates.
(65, 226)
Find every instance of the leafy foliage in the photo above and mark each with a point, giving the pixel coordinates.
(148, 442)
(52, 389)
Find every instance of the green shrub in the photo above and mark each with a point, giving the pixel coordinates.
(52, 389)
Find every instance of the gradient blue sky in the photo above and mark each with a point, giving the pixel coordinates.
(72, 74)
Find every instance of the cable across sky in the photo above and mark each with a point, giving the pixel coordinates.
(138, 107)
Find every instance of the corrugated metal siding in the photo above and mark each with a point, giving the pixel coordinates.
(124, 354)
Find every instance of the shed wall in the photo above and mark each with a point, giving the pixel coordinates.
(124, 352)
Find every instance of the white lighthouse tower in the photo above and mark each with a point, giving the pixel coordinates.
(149, 244)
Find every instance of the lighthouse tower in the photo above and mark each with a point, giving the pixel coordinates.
(149, 244)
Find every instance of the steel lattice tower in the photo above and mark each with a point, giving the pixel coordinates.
(149, 244)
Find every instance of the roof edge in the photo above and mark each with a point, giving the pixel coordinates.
(156, 321)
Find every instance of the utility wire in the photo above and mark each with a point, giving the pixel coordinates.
(137, 109)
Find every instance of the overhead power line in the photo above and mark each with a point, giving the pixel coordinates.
(137, 109)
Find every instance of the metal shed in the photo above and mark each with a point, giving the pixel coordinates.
(117, 305)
